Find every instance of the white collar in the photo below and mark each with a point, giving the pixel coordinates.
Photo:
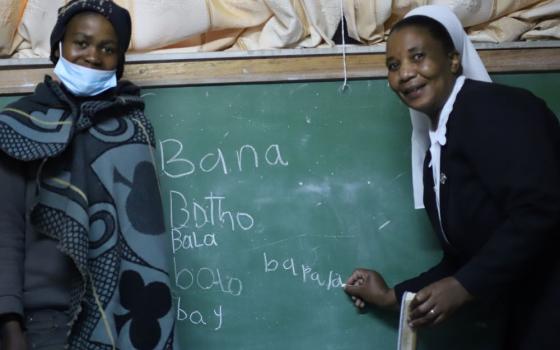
(438, 139)
(438, 136)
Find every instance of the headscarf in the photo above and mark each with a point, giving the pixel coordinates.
(473, 68)
(118, 16)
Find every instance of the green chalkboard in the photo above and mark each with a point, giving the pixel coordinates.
(274, 193)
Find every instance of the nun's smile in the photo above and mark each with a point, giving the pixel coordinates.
(420, 72)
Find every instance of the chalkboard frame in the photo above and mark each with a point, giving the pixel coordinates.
(19, 76)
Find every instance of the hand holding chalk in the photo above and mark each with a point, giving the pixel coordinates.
(368, 286)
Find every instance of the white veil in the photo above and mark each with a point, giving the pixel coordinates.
(472, 69)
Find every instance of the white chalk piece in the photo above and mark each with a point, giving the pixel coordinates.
(407, 335)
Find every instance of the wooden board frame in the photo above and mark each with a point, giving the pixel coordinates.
(153, 70)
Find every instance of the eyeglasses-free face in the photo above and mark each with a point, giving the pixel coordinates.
(91, 41)
(420, 72)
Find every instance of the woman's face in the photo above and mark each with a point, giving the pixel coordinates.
(90, 41)
(421, 73)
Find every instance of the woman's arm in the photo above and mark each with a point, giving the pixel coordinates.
(444, 268)
(11, 333)
(12, 246)
(368, 286)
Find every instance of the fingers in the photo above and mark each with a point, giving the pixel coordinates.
(354, 283)
(358, 276)
(428, 308)
(437, 302)
(420, 308)
(420, 298)
(355, 290)
(359, 303)
(421, 304)
(426, 319)
(440, 318)
(354, 287)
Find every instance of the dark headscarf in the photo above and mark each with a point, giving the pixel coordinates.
(118, 16)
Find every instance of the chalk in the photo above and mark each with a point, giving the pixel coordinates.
(343, 285)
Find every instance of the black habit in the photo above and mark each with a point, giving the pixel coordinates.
(500, 208)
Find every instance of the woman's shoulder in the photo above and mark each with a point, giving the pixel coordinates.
(484, 91)
(483, 100)
(483, 94)
(483, 104)
(43, 97)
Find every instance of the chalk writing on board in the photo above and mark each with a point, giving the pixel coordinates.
(206, 278)
(175, 164)
(210, 211)
(196, 317)
(303, 272)
(192, 240)
(196, 221)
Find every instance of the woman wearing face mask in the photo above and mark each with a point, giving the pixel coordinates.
(82, 245)
(490, 182)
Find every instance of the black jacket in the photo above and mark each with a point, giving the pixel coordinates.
(500, 202)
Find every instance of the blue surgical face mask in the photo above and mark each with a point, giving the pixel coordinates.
(84, 81)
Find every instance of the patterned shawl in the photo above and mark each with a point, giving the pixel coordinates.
(98, 197)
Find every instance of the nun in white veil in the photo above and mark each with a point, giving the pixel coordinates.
(500, 217)
(472, 69)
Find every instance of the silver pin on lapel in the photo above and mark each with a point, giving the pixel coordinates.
(442, 178)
